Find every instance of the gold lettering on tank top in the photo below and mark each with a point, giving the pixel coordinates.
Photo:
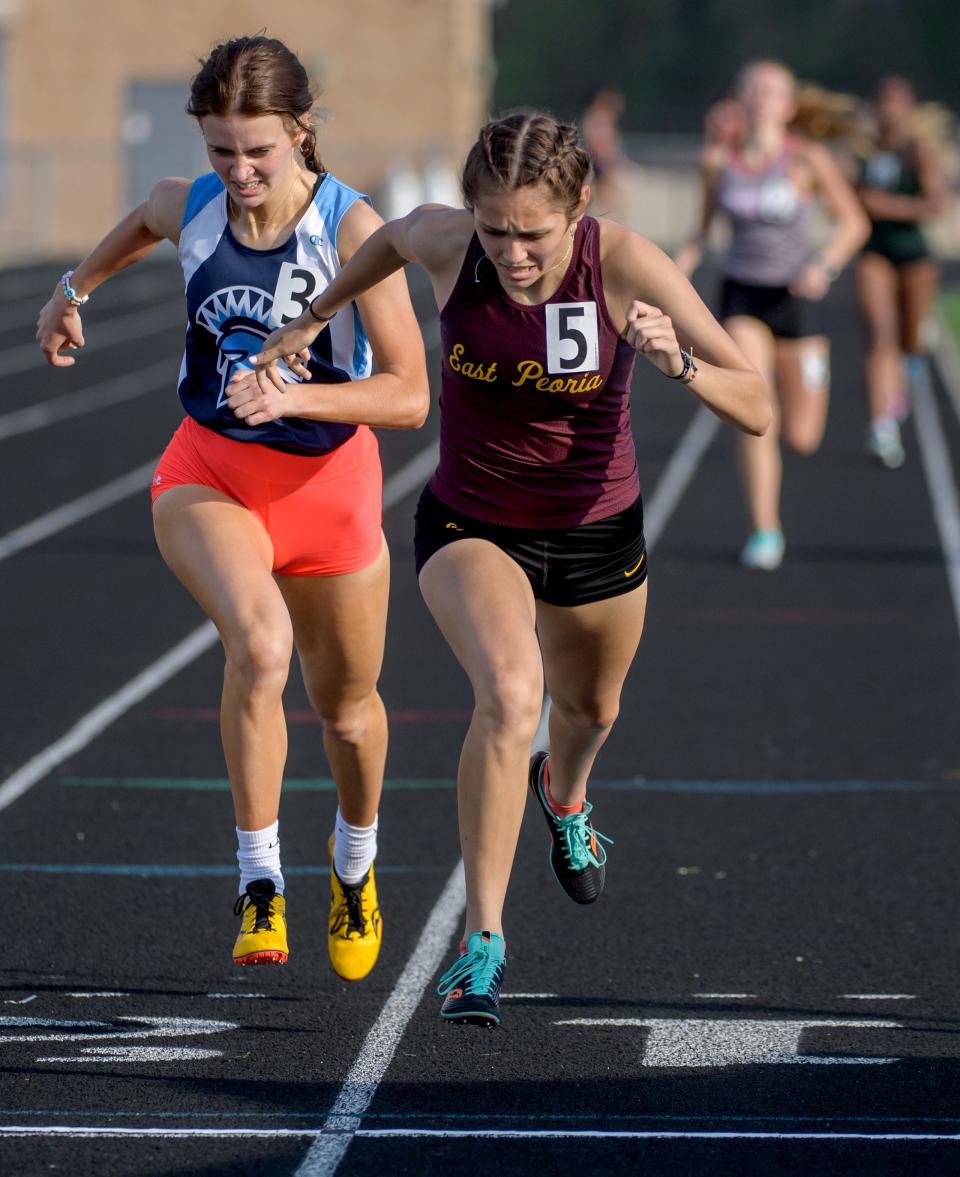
(528, 372)
(486, 373)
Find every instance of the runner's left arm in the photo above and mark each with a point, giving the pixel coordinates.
(659, 311)
(850, 226)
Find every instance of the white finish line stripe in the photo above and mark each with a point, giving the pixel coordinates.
(940, 478)
(356, 1094)
(467, 1134)
(61, 518)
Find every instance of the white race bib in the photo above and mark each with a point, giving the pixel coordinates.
(297, 286)
(573, 343)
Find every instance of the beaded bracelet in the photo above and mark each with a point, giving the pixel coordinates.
(69, 293)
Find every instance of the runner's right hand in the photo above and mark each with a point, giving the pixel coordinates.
(59, 329)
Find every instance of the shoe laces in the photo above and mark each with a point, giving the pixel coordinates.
(475, 972)
(575, 839)
(263, 910)
(350, 915)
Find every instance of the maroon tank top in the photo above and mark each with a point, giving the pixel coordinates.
(535, 400)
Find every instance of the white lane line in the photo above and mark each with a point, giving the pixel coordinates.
(376, 1054)
(668, 492)
(941, 483)
(613, 1134)
(124, 329)
(354, 1098)
(947, 355)
(100, 718)
(130, 385)
(57, 1130)
(60, 518)
(101, 993)
(395, 489)
(526, 996)
(725, 996)
(678, 474)
(878, 996)
(235, 996)
(124, 294)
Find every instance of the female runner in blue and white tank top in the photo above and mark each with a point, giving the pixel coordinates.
(267, 507)
(767, 187)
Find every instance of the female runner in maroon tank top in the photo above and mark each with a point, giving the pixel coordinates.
(529, 536)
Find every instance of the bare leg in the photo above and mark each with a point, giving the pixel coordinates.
(760, 464)
(482, 602)
(339, 623)
(877, 294)
(803, 380)
(222, 555)
(918, 289)
(587, 651)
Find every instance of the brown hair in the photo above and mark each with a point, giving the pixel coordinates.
(257, 75)
(523, 148)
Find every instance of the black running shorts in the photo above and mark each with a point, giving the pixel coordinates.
(565, 565)
(787, 316)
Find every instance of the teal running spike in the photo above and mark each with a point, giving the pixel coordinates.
(577, 857)
(470, 988)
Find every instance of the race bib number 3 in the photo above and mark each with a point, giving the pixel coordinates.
(572, 338)
(297, 286)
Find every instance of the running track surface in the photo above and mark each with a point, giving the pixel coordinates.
(768, 984)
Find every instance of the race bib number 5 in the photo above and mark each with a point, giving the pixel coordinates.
(297, 286)
(572, 337)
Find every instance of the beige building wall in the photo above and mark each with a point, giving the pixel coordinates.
(404, 83)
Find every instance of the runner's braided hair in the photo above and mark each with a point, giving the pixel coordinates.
(254, 76)
(525, 148)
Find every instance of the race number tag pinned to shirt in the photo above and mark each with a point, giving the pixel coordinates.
(297, 286)
(572, 337)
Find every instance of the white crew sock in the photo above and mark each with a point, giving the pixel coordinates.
(354, 849)
(258, 854)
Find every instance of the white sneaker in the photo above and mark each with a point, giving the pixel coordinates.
(764, 549)
(883, 442)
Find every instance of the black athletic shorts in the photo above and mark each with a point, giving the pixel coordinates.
(565, 565)
(787, 316)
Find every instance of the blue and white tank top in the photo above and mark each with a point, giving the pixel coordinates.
(237, 295)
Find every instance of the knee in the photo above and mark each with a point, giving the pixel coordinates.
(509, 702)
(350, 722)
(259, 662)
(804, 442)
(592, 715)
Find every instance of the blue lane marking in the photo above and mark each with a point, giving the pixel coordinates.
(778, 788)
(151, 870)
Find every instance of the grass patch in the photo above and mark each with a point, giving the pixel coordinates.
(950, 306)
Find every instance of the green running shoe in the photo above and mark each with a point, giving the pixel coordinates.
(470, 988)
(576, 856)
